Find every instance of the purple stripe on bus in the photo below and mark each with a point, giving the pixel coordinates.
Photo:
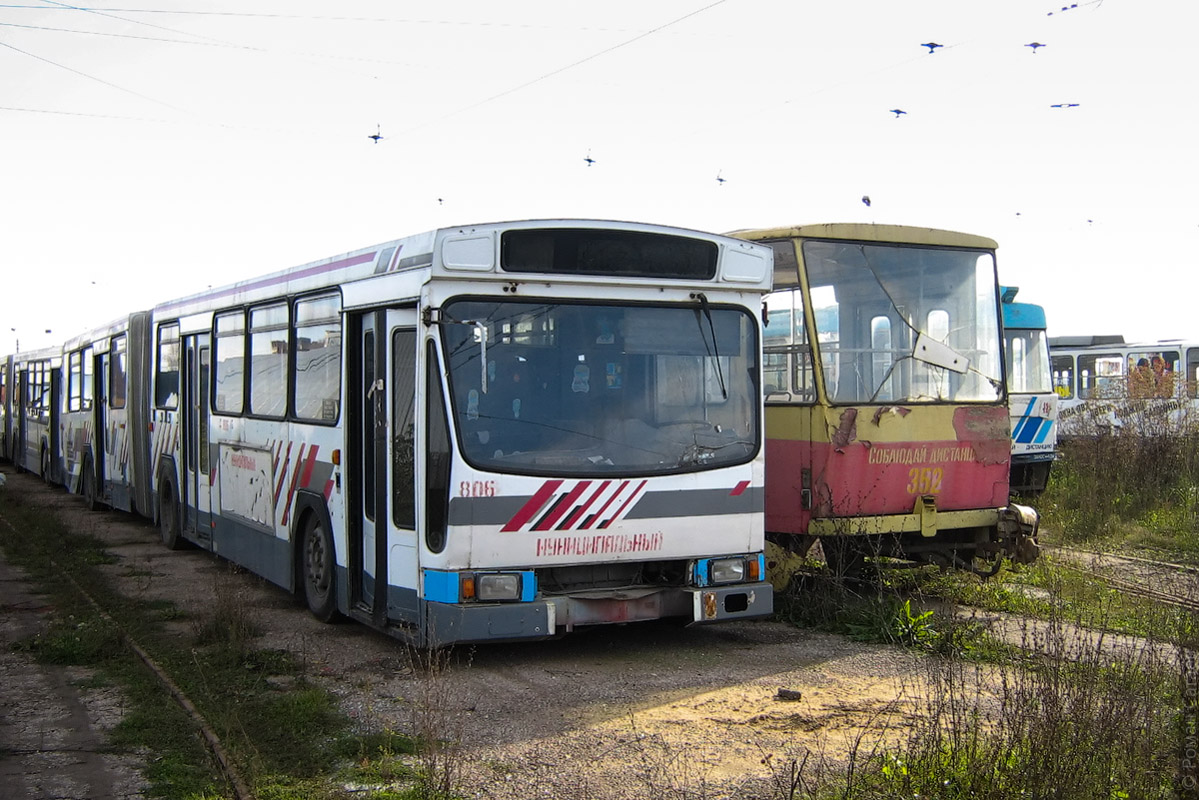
(272, 281)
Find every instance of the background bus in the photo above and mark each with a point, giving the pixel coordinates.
(1032, 401)
(1106, 385)
(886, 416)
(104, 410)
(34, 397)
(6, 410)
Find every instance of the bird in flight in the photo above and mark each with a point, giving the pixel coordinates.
(720, 179)
(866, 200)
(932, 46)
(377, 135)
(589, 159)
(1034, 45)
(1064, 105)
(897, 112)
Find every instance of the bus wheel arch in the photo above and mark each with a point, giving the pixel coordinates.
(316, 563)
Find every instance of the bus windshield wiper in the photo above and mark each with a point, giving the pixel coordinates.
(714, 351)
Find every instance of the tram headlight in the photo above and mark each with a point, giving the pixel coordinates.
(497, 586)
(726, 570)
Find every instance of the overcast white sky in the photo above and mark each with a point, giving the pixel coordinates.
(150, 148)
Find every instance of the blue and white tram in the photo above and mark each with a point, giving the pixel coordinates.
(500, 431)
(1032, 401)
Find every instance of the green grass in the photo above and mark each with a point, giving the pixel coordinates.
(287, 737)
(1126, 491)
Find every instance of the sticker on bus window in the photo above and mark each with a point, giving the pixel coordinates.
(582, 379)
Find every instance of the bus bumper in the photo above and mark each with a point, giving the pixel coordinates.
(542, 619)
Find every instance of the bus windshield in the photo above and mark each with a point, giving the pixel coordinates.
(1028, 369)
(897, 323)
(585, 389)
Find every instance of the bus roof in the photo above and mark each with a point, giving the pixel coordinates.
(1021, 316)
(1101, 340)
(868, 232)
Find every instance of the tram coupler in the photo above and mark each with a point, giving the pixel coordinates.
(1018, 527)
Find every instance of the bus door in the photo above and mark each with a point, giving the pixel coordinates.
(21, 400)
(113, 422)
(196, 489)
(100, 423)
(382, 480)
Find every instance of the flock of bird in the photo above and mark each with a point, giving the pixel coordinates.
(377, 136)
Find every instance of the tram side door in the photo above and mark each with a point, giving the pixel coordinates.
(197, 494)
(379, 436)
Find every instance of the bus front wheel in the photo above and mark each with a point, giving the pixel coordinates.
(317, 566)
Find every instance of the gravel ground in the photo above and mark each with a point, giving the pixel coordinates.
(613, 712)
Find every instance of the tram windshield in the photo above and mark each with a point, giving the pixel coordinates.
(1028, 368)
(900, 323)
(582, 389)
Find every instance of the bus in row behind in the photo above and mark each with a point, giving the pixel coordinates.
(1106, 385)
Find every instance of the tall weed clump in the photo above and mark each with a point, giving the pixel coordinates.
(1082, 719)
(1127, 483)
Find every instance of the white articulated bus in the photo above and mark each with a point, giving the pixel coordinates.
(499, 431)
(30, 417)
(104, 415)
(6, 408)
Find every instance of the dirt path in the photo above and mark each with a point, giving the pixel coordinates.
(53, 733)
(613, 712)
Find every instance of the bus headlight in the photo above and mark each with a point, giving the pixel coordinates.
(497, 586)
(726, 570)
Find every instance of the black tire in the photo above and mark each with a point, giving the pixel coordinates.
(168, 519)
(317, 565)
(87, 477)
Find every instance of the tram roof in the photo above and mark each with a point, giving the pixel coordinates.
(869, 232)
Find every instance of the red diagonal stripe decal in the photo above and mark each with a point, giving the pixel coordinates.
(604, 507)
(583, 508)
(308, 466)
(563, 507)
(291, 489)
(623, 506)
(532, 507)
(739, 489)
(279, 476)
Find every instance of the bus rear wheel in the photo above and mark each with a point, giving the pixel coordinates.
(317, 567)
(168, 518)
(91, 500)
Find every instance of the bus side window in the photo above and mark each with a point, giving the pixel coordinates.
(1192, 373)
(1063, 376)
